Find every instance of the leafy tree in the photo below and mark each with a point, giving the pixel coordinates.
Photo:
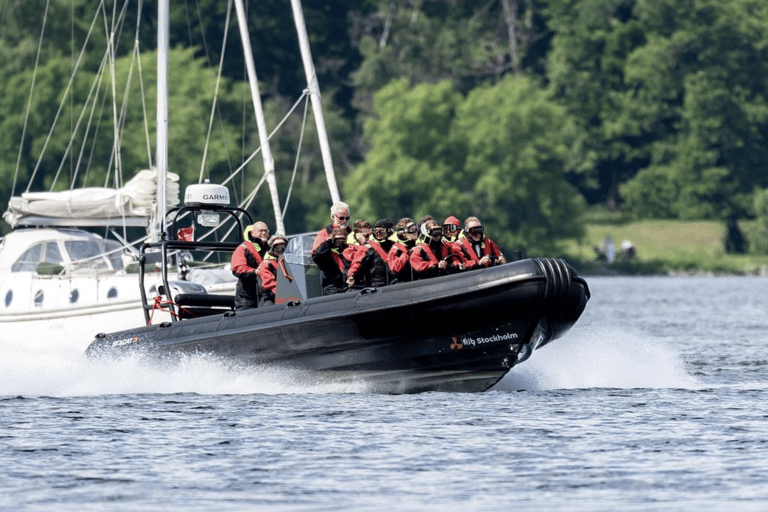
(591, 43)
(759, 239)
(514, 169)
(464, 41)
(669, 97)
(405, 172)
(717, 156)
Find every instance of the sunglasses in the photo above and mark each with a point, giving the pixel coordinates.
(342, 218)
(450, 228)
(410, 229)
(379, 231)
(278, 247)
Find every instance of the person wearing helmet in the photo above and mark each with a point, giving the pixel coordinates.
(369, 266)
(451, 229)
(246, 259)
(332, 257)
(267, 272)
(406, 233)
(422, 225)
(477, 249)
(434, 256)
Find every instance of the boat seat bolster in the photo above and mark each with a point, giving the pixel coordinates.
(205, 300)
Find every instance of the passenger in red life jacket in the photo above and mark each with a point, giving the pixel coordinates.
(246, 259)
(339, 220)
(398, 259)
(451, 229)
(267, 272)
(422, 225)
(356, 240)
(434, 256)
(332, 258)
(369, 266)
(478, 250)
(361, 233)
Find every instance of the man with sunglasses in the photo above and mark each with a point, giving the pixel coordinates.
(339, 220)
(406, 233)
(478, 250)
(332, 257)
(434, 256)
(369, 266)
(246, 259)
(267, 273)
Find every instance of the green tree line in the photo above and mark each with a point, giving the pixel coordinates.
(522, 112)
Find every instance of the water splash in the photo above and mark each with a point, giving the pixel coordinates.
(55, 369)
(601, 357)
(588, 357)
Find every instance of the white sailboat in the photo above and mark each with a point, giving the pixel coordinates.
(59, 279)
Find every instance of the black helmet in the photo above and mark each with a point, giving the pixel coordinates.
(384, 223)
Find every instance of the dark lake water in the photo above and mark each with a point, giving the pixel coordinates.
(656, 400)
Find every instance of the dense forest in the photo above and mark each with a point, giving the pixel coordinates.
(524, 113)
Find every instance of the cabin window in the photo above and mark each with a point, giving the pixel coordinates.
(39, 298)
(52, 253)
(44, 252)
(86, 254)
(114, 252)
(8, 298)
(28, 261)
(112, 293)
(73, 296)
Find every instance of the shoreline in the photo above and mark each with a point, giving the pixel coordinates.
(624, 269)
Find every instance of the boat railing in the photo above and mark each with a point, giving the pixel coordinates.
(184, 299)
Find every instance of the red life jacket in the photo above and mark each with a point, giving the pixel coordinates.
(487, 248)
(243, 258)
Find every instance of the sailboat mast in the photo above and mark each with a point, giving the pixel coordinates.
(161, 159)
(266, 152)
(314, 95)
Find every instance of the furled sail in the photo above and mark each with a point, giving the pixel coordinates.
(130, 205)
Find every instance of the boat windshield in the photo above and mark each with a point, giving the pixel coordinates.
(299, 249)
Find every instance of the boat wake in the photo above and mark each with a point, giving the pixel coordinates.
(56, 370)
(601, 357)
(590, 357)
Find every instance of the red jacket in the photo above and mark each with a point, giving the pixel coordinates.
(397, 259)
(267, 278)
(369, 266)
(323, 235)
(424, 259)
(246, 258)
(487, 248)
(268, 274)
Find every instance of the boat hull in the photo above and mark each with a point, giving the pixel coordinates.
(454, 333)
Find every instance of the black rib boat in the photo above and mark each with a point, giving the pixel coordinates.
(461, 332)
